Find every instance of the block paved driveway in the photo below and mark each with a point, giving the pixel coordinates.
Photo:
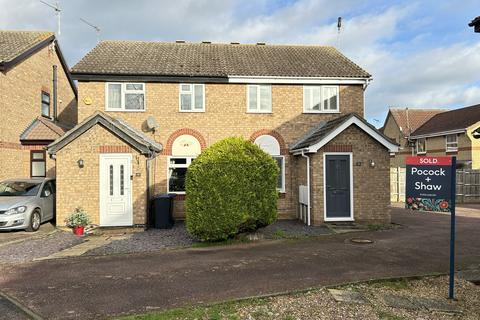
(97, 287)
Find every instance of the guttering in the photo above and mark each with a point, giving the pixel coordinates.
(437, 134)
(308, 186)
(297, 80)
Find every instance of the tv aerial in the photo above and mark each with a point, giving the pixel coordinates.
(96, 28)
(58, 11)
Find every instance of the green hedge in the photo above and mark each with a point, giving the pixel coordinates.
(231, 188)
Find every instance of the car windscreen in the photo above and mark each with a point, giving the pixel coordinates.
(19, 188)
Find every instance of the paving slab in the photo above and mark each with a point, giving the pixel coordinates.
(90, 244)
(438, 305)
(348, 296)
(400, 302)
(470, 275)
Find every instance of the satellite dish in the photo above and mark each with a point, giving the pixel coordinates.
(476, 133)
(152, 123)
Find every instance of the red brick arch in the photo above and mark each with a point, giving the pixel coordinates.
(273, 133)
(180, 132)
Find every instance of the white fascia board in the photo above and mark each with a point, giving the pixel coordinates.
(353, 120)
(296, 80)
(438, 134)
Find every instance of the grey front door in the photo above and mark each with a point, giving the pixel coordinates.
(337, 187)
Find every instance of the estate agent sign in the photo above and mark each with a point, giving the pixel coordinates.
(429, 183)
(430, 186)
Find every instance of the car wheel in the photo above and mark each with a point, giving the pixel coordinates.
(35, 221)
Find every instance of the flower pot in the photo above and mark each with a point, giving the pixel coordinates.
(78, 230)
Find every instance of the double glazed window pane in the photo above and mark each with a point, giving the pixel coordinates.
(252, 97)
(134, 101)
(186, 101)
(330, 98)
(279, 161)
(114, 96)
(38, 169)
(45, 104)
(177, 179)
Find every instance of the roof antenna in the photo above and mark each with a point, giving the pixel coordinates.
(339, 29)
(97, 29)
(57, 9)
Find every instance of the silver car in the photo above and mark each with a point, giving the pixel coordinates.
(26, 203)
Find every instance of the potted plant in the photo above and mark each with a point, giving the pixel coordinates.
(77, 221)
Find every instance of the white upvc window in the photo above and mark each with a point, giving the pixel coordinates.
(177, 172)
(320, 99)
(259, 98)
(192, 97)
(123, 96)
(451, 141)
(281, 176)
(421, 145)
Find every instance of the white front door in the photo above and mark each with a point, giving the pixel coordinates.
(116, 190)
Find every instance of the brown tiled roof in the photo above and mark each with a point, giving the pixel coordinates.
(13, 43)
(216, 60)
(457, 119)
(410, 119)
(42, 129)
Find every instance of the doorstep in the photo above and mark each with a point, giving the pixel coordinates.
(92, 242)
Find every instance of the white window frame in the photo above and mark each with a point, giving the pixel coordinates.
(191, 91)
(258, 110)
(322, 110)
(123, 92)
(169, 166)
(416, 146)
(449, 148)
(282, 189)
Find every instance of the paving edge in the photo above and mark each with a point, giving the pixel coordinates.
(292, 292)
(24, 309)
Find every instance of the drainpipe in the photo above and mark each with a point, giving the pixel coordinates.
(55, 80)
(308, 186)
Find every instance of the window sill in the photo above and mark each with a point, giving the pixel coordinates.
(421, 153)
(451, 151)
(123, 110)
(260, 112)
(192, 111)
(321, 112)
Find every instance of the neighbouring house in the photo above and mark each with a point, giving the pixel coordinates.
(399, 125)
(37, 102)
(147, 109)
(451, 133)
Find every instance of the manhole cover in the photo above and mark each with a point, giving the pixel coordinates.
(361, 241)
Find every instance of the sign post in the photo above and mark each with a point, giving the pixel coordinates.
(430, 186)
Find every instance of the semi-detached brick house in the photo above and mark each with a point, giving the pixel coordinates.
(37, 102)
(147, 109)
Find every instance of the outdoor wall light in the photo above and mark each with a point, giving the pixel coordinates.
(81, 164)
(372, 164)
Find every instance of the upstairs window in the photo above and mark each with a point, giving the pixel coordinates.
(45, 104)
(259, 98)
(125, 97)
(320, 99)
(421, 146)
(192, 97)
(451, 143)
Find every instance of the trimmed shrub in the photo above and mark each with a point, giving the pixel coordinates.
(231, 188)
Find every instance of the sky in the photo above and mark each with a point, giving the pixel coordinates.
(420, 53)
